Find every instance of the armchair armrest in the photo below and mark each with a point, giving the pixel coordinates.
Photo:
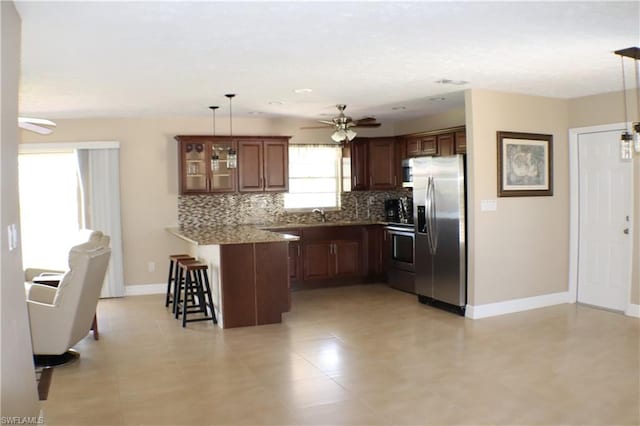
(31, 273)
(41, 293)
(47, 324)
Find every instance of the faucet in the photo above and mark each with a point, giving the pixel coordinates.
(323, 216)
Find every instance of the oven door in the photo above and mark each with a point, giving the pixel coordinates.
(401, 250)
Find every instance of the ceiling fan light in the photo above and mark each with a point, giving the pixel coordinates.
(351, 134)
(338, 136)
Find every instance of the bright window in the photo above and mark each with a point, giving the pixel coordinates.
(48, 208)
(314, 177)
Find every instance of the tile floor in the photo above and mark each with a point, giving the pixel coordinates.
(363, 355)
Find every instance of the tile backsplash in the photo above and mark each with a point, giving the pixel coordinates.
(243, 209)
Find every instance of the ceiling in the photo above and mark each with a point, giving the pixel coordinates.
(124, 59)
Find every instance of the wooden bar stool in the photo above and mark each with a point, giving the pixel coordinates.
(173, 277)
(179, 282)
(195, 296)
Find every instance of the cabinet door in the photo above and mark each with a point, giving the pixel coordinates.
(386, 251)
(445, 144)
(276, 166)
(294, 260)
(250, 162)
(382, 162)
(413, 147)
(317, 260)
(401, 154)
(375, 235)
(194, 171)
(347, 260)
(223, 179)
(429, 145)
(461, 142)
(359, 164)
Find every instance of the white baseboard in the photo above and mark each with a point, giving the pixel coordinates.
(633, 310)
(516, 305)
(142, 289)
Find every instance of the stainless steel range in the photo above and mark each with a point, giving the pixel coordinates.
(399, 239)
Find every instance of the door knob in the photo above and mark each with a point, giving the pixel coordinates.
(626, 231)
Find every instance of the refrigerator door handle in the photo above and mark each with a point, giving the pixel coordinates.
(428, 213)
(432, 217)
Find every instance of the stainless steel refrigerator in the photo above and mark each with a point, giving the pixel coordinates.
(440, 225)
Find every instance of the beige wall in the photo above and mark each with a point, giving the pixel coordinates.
(608, 108)
(521, 249)
(18, 385)
(149, 174)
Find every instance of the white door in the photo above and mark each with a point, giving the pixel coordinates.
(604, 247)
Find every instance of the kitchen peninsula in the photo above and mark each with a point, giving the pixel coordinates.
(248, 270)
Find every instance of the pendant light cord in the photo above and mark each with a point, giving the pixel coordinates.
(624, 94)
(213, 118)
(230, 96)
(636, 64)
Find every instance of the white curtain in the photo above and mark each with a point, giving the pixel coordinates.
(99, 171)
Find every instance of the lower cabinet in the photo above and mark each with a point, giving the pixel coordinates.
(331, 259)
(334, 255)
(253, 282)
(295, 271)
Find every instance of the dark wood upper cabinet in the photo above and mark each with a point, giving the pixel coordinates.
(437, 142)
(429, 145)
(373, 163)
(382, 163)
(445, 144)
(276, 165)
(460, 142)
(263, 164)
(413, 146)
(197, 172)
(250, 165)
(359, 150)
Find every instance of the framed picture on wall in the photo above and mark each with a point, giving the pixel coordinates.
(525, 164)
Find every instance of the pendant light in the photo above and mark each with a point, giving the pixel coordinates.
(215, 158)
(232, 156)
(630, 138)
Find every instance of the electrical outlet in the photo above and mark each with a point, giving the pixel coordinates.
(151, 266)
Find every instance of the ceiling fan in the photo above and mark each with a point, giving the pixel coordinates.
(343, 125)
(38, 125)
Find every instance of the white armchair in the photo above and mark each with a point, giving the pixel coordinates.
(83, 236)
(60, 317)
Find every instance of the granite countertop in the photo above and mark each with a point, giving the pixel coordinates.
(298, 225)
(244, 234)
(239, 234)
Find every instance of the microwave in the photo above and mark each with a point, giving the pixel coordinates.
(407, 173)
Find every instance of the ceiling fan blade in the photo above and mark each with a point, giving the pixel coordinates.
(317, 127)
(34, 128)
(368, 125)
(331, 123)
(366, 119)
(41, 121)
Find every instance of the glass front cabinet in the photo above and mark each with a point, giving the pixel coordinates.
(205, 166)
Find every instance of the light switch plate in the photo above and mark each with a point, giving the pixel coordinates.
(488, 205)
(12, 236)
